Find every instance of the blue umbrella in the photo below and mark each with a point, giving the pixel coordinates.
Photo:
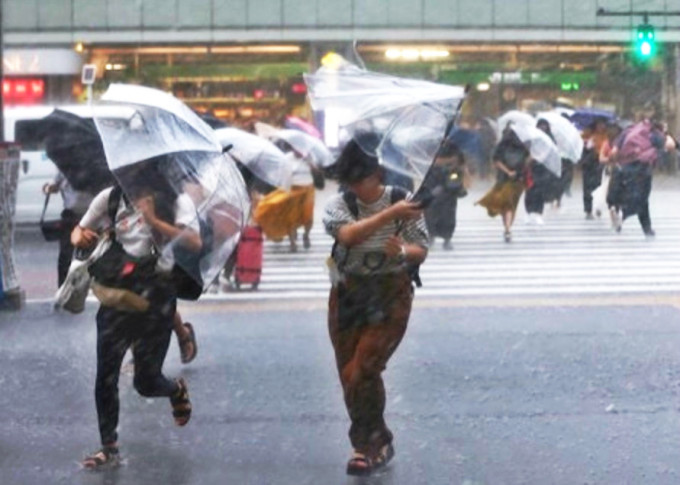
(584, 117)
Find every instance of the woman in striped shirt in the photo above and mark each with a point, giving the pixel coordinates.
(377, 240)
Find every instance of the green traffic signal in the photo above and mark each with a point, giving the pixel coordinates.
(645, 44)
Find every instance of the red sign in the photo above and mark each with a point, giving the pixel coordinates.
(23, 90)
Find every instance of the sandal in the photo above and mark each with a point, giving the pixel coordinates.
(359, 465)
(385, 455)
(181, 405)
(107, 456)
(187, 345)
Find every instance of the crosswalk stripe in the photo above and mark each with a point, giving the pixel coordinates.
(566, 256)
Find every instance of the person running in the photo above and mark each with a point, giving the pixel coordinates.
(377, 240)
(510, 158)
(133, 223)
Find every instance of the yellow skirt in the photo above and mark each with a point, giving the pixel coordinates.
(279, 213)
(502, 198)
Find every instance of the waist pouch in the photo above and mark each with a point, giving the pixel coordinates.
(366, 300)
(118, 269)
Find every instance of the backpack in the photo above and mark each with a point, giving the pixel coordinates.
(350, 199)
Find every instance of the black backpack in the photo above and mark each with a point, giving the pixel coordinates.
(350, 198)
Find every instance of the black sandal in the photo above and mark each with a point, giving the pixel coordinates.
(107, 456)
(359, 465)
(190, 340)
(181, 405)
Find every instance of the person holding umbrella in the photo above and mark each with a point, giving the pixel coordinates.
(596, 137)
(147, 209)
(370, 300)
(510, 159)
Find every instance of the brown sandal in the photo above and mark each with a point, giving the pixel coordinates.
(181, 405)
(107, 456)
(187, 345)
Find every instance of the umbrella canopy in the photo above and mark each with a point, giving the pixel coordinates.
(165, 148)
(306, 145)
(640, 142)
(295, 123)
(567, 137)
(258, 155)
(73, 144)
(541, 147)
(391, 107)
(514, 117)
(584, 117)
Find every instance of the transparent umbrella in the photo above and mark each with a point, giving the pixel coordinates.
(258, 155)
(541, 147)
(567, 137)
(306, 145)
(391, 107)
(166, 148)
(515, 117)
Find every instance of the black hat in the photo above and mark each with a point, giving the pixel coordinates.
(358, 158)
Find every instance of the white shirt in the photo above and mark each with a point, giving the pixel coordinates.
(132, 231)
(302, 173)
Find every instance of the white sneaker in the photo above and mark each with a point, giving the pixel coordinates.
(538, 219)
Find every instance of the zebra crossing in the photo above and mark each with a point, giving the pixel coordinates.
(568, 255)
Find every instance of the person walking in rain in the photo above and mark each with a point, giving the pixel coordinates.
(595, 138)
(145, 323)
(75, 203)
(510, 159)
(446, 183)
(378, 238)
(542, 185)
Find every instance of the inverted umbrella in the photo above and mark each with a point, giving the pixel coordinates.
(258, 155)
(567, 137)
(306, 145)
(73, 144)
(166, 147)
(390, 106)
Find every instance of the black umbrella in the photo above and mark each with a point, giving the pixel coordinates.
(73, 144)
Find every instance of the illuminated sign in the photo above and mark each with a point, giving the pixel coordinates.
(23, 90)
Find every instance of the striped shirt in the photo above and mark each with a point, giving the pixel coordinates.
(369, 257)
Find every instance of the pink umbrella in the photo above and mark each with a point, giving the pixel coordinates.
(296, 123)
(638, 143)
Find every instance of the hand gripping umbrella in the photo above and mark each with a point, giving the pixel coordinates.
(411, 117)
(165, 147)
(567, 137)
(261, 157)
(306, 145)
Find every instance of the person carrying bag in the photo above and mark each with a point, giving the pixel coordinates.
(370, 300)
(131, 266)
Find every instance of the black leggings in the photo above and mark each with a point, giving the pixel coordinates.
(149, 336)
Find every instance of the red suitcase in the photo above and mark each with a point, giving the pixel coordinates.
(249, 257)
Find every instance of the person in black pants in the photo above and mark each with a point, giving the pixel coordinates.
(148, 327)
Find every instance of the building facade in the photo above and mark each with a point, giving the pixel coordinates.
(244, 58)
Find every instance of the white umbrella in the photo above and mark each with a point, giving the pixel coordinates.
(541, 147)
(257, 154)
(166, 146)
(515, 117)
(567, 137)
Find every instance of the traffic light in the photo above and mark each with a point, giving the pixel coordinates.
(645, 41)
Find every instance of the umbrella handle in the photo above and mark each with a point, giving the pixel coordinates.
(227, 148)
